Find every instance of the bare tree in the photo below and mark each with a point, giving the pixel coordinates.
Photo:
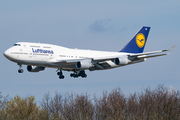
(52, 106)
(45, 105)
(132, 107)
(154, 104)
(69, 107)
(84, 108)
(111, 106)
(56, 106)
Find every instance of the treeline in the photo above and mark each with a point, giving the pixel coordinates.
(158, 104)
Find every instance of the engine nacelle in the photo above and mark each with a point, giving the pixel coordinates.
(121, 61)
(34, 68)
(84, 65)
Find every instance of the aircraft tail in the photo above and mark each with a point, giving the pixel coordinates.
(138, 42)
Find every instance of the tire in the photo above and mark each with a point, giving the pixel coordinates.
(20, 71)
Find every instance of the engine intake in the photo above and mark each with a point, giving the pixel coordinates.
(34, 68)
(84, 65)
(121, 61)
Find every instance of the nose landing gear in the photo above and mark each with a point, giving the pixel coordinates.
(20, 70)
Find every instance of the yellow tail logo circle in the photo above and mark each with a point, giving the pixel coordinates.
(140, 40)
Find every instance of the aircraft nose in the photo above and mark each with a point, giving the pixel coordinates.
(7, 53)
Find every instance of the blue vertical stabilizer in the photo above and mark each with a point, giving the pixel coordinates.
(138, 42)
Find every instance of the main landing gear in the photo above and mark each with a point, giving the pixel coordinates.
(75, 74)
(20, 70)
(60, 74)
(81, 73)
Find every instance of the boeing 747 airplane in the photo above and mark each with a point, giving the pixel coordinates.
(38, 56)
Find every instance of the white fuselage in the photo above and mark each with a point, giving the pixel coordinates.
(45, 55)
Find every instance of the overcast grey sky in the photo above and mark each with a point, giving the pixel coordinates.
(95, 24)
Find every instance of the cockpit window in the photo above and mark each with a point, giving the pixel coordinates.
(16, 45)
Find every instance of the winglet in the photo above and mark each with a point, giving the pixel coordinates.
(172, 48)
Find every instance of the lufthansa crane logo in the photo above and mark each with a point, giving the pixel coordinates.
(140, 40)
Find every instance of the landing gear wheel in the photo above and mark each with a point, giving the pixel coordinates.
(20, 70)
(61, 77)
(84, 76)
(71, 75)
(59, 73)
(75, 76)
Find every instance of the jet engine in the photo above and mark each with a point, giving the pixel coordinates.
(121, 61)
(34, 68)
(84, 65)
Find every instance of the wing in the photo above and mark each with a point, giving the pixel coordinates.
(107, 62)
(103, 63)
(148, 54)
(133, 56)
